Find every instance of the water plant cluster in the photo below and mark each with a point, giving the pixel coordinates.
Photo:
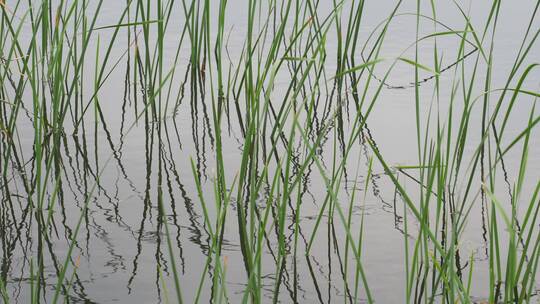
(231, 150)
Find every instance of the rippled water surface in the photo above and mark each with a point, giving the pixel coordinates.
(125, 187)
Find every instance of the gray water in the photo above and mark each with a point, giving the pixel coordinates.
(121, 247)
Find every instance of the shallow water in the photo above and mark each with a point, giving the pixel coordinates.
(121, 250)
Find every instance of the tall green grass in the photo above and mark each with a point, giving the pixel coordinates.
(303, 85)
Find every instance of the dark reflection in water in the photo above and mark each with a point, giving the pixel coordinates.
(143, 170)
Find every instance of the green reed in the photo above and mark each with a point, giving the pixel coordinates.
(47, 50)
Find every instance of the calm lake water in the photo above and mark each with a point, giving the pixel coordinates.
(121, 249)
